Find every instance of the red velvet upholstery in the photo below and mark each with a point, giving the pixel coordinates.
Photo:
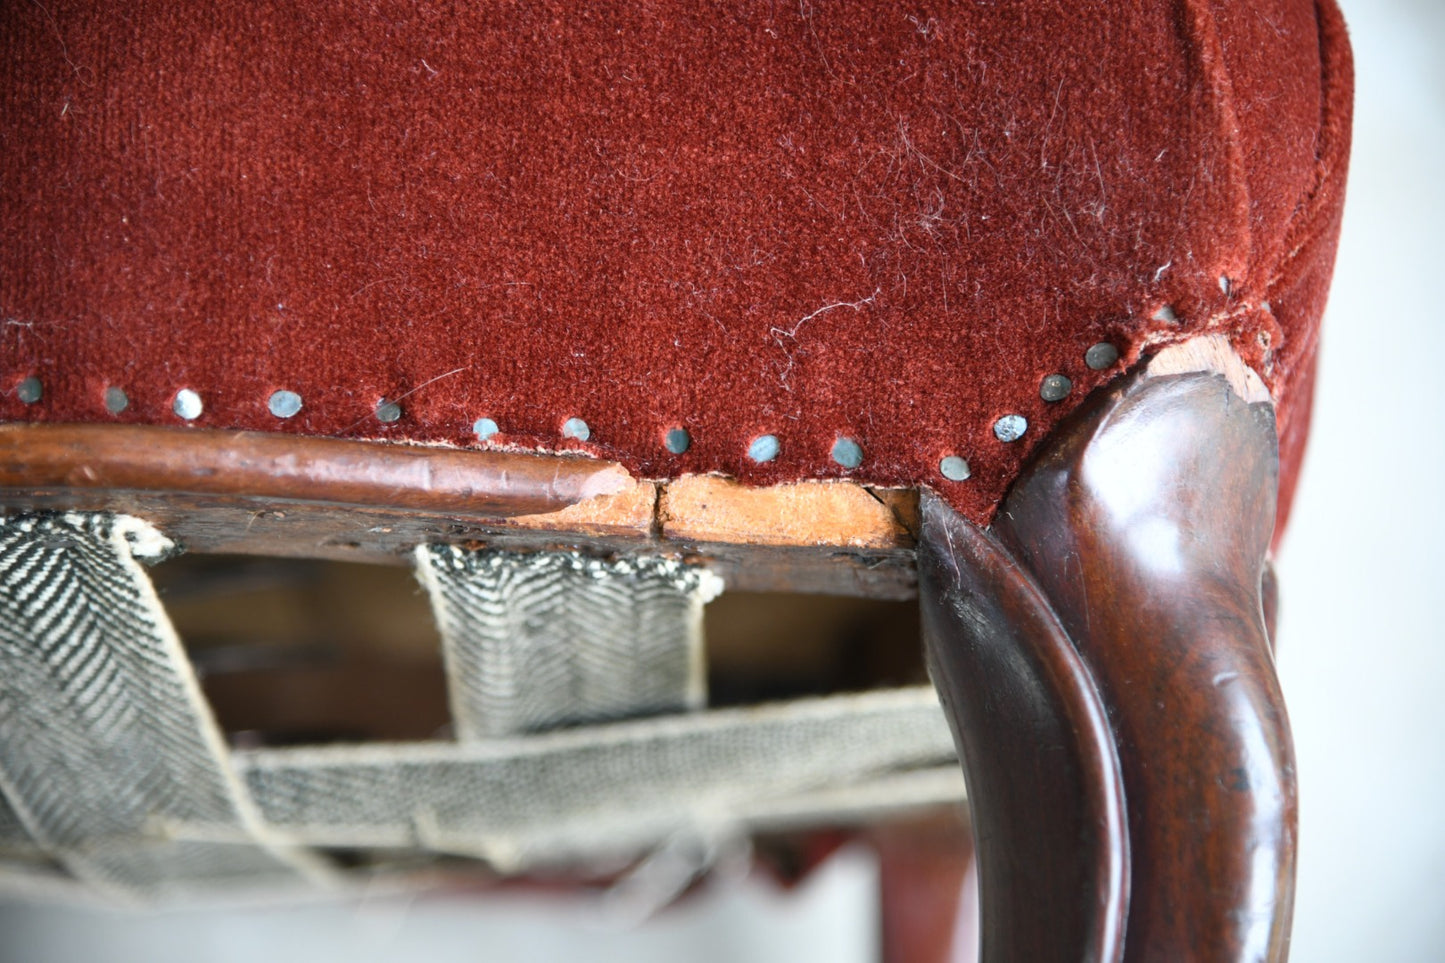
(806, 219)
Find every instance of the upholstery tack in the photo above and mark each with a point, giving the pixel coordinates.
(284, 404)
(1101, 356)
(1010, 427)
(576, 428)
(954, 468)
(187, 404)
(764, 448)
(1055, 387)
(847, 453)
(677, 441)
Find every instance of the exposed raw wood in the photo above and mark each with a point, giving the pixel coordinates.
(705, 508)
(630, 511)
(216, 492)
(1210, 354)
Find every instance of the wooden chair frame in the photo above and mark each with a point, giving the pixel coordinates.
(1101, 650)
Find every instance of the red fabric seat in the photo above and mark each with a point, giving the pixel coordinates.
(807, 221)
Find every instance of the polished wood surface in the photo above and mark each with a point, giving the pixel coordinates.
(295, 468)
(1146, 522)
(1269, 600)
(1102, 650)
(1044, 783)
(1124, 587)
(257, 494)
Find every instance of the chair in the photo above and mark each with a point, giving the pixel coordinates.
(587, 314)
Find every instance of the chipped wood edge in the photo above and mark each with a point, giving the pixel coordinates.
(707, 508)
(1209, 353)
(576, 496)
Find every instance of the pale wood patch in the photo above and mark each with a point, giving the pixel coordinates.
(627, 512)
(1212, 353)
(705, 508)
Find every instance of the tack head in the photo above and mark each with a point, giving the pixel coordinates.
(388, 411)
(284, 404)
(30, 390)
(1101, 356)
(677, 440)
(187, 404)
(847, 453)
(1010, 427)
(576, 428)
(1055, 387)
(954, 468)
(116, 400)
(484, 428)
(764, 448)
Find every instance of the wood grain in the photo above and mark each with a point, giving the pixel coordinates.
(295, 468)
(1044, 785)
(257, 494)
(1146, 520)
(706, 508)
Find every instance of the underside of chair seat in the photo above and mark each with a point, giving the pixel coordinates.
(800, 220)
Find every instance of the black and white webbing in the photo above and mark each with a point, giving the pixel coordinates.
(112, 769)
(109, 758)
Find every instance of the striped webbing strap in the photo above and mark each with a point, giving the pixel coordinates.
(110, 761)
(113, 771)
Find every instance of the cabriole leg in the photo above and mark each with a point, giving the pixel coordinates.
(1144, 524)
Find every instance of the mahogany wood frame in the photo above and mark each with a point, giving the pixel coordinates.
(1102, 650)
(1103, 654)
(264, 494)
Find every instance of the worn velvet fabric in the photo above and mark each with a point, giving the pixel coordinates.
(802, 219)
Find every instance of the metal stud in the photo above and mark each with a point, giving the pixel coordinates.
(954, 468)
(116, 400)
(1055, 387)
(30, 390)
(1101, 356)
(847, 453)
(187, 404)
(388, 411)
(1010, 427)
(677, 440)
(284, 404)
(576, 428)
(764, 448)
(484, 428)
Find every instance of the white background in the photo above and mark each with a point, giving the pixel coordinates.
(1362, 651)
(1362, 573)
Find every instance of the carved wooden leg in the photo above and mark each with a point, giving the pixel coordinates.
(1145, 523)
(927, 889)
(1043, 780)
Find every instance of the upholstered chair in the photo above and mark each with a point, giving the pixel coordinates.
(587, 313)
